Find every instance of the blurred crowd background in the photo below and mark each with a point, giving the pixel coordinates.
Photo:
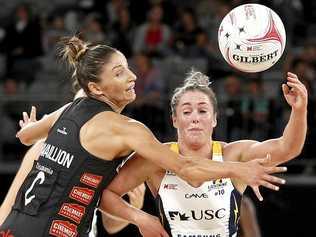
(163, 39)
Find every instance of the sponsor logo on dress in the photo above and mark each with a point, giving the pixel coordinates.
(196, 195)
(91, 179)
(72, 211)
(170, 186)
(62, 131)
(217, 184)
(198, 215)
(57, 155)
(61, 228)
(83, 195)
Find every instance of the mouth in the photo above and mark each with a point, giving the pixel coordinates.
(131, 88)
(195, 129)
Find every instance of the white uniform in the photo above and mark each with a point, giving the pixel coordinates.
(212, 210)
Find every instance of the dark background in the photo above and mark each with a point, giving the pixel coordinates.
(250, 105)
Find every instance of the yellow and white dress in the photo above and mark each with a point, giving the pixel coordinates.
(211, 210)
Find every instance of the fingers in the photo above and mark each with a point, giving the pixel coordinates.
(292, 76)
(21, 123)
(285, 89)
(257, 192)
(25, 117)
(275, 169)
(269, 185)
(33, 114)
(273, 179)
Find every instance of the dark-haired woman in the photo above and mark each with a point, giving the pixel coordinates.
(86, 143)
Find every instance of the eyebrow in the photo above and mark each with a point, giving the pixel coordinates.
(188, 103)
(117, 66)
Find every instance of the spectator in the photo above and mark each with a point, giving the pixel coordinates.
(233, 108)
(153, 36)
(148, 106)
(23, 44)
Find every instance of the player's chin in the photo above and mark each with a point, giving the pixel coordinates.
(131, 98)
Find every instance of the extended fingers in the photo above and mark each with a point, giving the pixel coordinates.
(273, 179)
(25, 117)
(275, 169)
(269, 185)
(257, 192)
(33, 114)
(21, 123)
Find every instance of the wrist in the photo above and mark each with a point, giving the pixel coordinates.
(136, 217)
(233, 169)
(302, 110)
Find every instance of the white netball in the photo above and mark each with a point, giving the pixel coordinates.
(251, 38)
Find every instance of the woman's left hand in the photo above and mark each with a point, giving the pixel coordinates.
(295, 92)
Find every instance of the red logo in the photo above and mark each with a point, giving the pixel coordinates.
(170, 186)
(83, 195)
(63, 229)
(91, 179)
(6, 234)
(72, 211)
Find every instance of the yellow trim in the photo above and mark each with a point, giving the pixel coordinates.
(216, 147)
(174, 147)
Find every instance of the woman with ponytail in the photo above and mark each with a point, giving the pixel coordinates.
(86, 143)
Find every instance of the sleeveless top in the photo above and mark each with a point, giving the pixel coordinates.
(211, 210)
(59, 195)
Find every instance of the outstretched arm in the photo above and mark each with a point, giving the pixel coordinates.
(290, 144)
(194, 170)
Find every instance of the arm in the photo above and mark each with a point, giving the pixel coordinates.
(136, 199)
(32, 130)
(248, 219)
(290, 144)
(24, 169)
(193, 170)
(133, 173)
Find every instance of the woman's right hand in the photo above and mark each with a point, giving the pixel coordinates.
(28, 119)
(150, 226)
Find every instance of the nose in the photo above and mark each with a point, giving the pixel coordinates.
(132, 75)
(195, 118)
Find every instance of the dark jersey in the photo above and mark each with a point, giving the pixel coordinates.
(59, 195)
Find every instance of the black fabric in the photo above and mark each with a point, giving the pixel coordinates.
(59, 195)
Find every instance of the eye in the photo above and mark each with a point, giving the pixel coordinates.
(203, 111)
(119, 73)
(186, 112)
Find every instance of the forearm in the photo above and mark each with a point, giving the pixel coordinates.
(197, 171)
(28, 135)
(294, 134)
(114, 205)
(111, 224)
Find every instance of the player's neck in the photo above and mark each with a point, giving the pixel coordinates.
(195, 150)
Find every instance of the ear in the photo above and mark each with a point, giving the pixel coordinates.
(94, 88)
(174, 121)
(214, 123)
